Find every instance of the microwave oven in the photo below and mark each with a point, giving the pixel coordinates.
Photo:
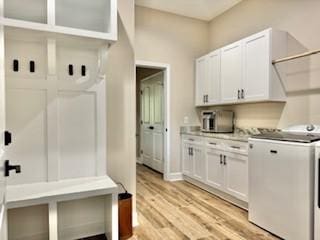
(219, 121)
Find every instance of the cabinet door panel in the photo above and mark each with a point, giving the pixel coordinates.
(198, 162)
(158, 151)
(256, 55)
(186, 160)
(214, 168)
(231, 72)
(147, 146)
(201, 80)
(236, 176)
(214, 77)
(146, 104)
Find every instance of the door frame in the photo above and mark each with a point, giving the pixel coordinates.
(166, 125)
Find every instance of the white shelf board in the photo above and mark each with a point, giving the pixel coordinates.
(57, 29)
(46, 192)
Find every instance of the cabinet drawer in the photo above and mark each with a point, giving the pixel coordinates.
(192, 139)
(214, 143)
(237, 147)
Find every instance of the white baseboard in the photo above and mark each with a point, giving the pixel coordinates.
(82, 231)
(37, 236)
(174, 177)
(135, 222)
(139, 160)
(218, 193)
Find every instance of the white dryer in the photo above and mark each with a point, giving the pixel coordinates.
(317, 194)
(281, 182)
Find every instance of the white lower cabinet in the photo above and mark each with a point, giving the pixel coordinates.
(214, 168)
(197, 158)
(222, 165)
(186, 159)
(236, 175)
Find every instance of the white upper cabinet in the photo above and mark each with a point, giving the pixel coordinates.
(208, 79)
(94, 18)
(247, 73)
(231, 72)
(213, 77)
(201, 80)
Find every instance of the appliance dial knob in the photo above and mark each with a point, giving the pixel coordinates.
(310, 127)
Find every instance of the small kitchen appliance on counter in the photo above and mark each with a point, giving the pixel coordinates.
(282, 181)
(219, 121)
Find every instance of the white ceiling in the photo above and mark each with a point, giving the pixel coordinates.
(200, 9)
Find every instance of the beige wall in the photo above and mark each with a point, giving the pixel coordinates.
(121, 101)
(301, 19)
(175, 40)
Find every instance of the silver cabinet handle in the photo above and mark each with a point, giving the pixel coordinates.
(190, 139)
(224, 160)
(221, 162)
(242, 93)
(235, 147)
(204, 98)
(239, 94)
(212, 143)
(191, 149)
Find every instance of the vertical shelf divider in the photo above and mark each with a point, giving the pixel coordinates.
(52, 111)
(51, 12)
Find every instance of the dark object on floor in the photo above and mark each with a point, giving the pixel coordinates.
(125, 215)
(98, 237)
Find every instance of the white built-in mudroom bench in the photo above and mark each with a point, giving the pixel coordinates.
(53, 57)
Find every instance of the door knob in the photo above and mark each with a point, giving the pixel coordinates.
(151, 127)
(8, 168)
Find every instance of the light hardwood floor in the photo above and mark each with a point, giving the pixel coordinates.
(179, 210)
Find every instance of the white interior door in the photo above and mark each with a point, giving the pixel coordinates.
(2, 129)
(158, 136)
(152, 122)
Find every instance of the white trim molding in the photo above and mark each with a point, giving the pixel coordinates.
(175, 177)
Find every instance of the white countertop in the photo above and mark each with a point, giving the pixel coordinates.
(63, 190)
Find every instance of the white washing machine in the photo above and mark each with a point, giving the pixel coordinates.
(281, 182)
(317, 194)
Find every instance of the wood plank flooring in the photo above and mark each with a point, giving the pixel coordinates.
(179, 210)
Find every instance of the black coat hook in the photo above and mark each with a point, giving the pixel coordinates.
(83, 70)
(15, 65)
(70, 69)
(32, 66)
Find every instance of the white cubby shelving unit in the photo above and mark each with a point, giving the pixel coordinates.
(94, 18)
(58, 119)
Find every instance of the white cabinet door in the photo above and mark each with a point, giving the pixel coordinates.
(198, 162)
(214, 168)
(256, 67)
(231, 72)
(2, 129)
(213, 80)
(201, 80)
(187, 164)
(236, 175)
